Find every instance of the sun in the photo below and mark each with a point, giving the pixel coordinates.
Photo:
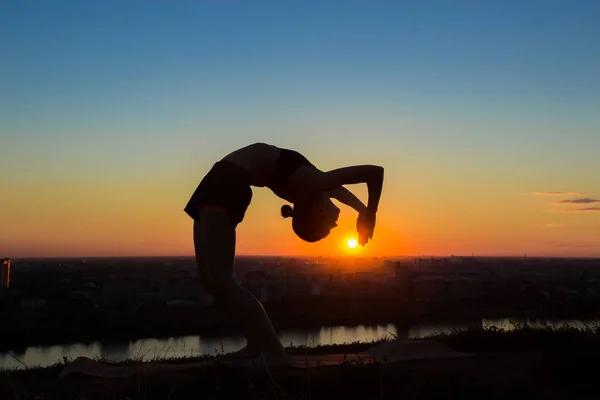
(352, 243)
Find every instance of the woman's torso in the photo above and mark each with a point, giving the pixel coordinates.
(270, 166)
(259, 159)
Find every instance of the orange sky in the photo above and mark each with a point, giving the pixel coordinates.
(111, 113)
(123, 216)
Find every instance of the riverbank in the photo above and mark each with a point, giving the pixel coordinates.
(23, 328)
(524, 363)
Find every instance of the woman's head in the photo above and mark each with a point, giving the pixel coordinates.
(314, 219)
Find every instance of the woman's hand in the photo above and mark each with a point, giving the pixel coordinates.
(365, 225)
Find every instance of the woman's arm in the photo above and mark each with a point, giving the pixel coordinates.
(372, 175)
(348, 198)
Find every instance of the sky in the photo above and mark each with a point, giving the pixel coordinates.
(485, 116)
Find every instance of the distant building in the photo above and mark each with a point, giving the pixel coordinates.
(315, 289)
(465, 288)
(5, 275)
(32, 302)
(403, 280)
(429, 288)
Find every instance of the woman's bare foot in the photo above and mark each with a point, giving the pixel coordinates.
(277, 359)
(269, 362)
(272, 360)
(244, 352)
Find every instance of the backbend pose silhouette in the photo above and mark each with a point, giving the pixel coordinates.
(219, 204)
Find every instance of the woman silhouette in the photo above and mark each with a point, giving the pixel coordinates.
(219, 204)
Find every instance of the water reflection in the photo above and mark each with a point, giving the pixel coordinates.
(425, 330)
(110, 351)
(185, 346)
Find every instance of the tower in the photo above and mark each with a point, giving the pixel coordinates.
(5, 276)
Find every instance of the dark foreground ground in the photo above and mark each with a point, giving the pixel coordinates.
(525, 364)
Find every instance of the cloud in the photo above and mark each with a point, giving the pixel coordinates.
(551, 226)
(572, 245)
(558, 193)
(584, 200)
(577, 210)
(567, 244)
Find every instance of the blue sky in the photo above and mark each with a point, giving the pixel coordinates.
(136, 69)
(224, 55)
(142, 89)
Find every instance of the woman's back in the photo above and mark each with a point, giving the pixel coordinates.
(258, 158)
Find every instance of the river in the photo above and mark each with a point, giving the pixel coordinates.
(149, 349)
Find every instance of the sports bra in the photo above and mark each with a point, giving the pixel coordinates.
(288, 162)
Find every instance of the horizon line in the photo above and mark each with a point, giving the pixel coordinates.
(311, 256)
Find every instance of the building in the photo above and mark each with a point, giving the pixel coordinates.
(429, 288)
(5, 276)
(464, 288)
(403, 280)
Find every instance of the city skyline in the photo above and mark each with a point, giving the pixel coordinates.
(485, 117)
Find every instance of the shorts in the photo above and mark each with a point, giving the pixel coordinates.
(226, 185)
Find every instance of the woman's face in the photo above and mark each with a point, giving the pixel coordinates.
(317, 217)
(327, 212)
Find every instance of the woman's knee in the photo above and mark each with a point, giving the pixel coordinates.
(219, 288)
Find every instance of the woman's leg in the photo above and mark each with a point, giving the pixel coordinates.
(214, 242)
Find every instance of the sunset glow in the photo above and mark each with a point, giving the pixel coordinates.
(111, 114)
(352, 243)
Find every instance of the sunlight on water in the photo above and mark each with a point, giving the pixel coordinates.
(185, 346)
(425, 330)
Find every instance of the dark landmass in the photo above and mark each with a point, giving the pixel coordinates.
(25, 329)
(61, 301)
(523, 364)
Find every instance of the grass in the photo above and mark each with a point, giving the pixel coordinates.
(527, 362)
(313, 349)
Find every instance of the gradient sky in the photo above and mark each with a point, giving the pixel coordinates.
(112, 111)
